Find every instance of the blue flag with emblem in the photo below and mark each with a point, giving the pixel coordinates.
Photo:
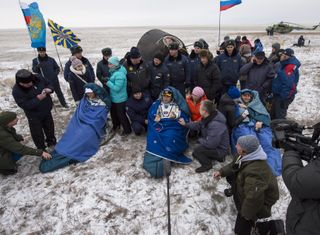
(35, 23)
(62, 36)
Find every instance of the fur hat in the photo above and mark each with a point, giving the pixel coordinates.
(159, 56)
(76, 49)
(7, 117)
(106, 51)
(24, 76)
(135, 53)
(233, 92)
(248, 143)
(198, 91)
(260, 55)
(75, 62)
(174, 46)
(136, 89)
(204, 53)
(198, 44)
(230, 42)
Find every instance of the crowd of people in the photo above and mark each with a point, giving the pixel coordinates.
(171, 98)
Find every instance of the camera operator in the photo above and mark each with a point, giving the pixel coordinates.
(303, 182)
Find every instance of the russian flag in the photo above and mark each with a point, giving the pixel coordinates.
(226, 4)
(26, 12)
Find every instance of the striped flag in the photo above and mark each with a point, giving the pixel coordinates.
(35, 24)
(62, 36)
(226, 4)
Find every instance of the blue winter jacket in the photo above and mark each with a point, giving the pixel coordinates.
(118, 85)
(229, 67)
(137, 110)
(286, 81)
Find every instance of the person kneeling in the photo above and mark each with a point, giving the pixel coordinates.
(254, 187)
(11, 148)
(214, 140)
(137, 109)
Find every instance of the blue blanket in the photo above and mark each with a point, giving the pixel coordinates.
(84, 132)
(167, 139)
(264, 136)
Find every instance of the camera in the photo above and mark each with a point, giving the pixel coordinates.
(289, 135)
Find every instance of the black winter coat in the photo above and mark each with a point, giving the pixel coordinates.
(229, 67)
(137, 110)
(303, 183)
(86, 63)
(259, 77)
(179, 70)
(227, 107)
(137, 75)
(77, 85)
(208, 78)
(160, 79)
(49, 68)
(103, 73)
(26, 98)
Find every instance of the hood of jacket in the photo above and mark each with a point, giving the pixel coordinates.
(259, 154)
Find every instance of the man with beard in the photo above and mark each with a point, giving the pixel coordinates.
(48, 67)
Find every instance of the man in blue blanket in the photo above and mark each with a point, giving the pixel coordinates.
(166, 139)
(84, 132)
(254, 119)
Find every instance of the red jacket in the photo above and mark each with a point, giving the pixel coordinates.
(195, 108)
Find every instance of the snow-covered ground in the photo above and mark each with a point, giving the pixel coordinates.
(111, 193)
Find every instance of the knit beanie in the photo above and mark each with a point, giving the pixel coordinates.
(248, 143)
(276, 46)
(114, 60)
(198, 91)
(233, 92)
(75, 62)
(6, 117)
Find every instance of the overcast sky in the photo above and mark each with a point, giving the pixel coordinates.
(97, 13)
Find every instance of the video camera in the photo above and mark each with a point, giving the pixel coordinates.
(289, 135)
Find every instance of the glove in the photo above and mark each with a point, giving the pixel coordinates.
(104, 79)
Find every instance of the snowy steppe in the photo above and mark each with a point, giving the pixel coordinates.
(111, 193)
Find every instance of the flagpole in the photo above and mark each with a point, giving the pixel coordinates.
(219, 27)
(36, 54)
(55, 46)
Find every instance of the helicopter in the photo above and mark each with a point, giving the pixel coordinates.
(287, 27)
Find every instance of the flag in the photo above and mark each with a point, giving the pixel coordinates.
(63, 36)
(226, 4)
(35, 24)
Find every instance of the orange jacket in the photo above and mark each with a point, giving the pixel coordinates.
(195, 108)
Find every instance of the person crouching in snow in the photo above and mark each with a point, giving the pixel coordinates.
(78, 77)
(166, 138)
(214, 140)
(194, 101)
(137, 109)
(254, 187)
(11, 148)
(85, 130)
